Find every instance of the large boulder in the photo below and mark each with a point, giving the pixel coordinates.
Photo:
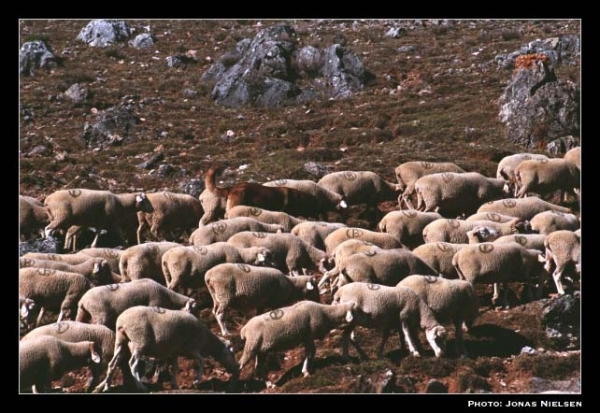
(48, 245)
(559, 50)
(112, 126)
(263, 71)
(561, 319)
(35, 55)
(536, 107)
(102, 33)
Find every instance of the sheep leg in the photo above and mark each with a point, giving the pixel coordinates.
(200, 369)
(556, 275)
(385, 334)
(496, 294)
(220, 316)
(247, 355)
(134, 363)
(506, 291)
(409, 341)
(458, 332)
(174, 370)
(309, 355)
(38, 322)
(112, 365)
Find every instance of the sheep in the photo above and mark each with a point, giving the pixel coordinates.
(52, 290)
(102, 305)
(278, 198)
(144, 261)
(550, 221)
(33, 217)
(47, 358)
(529, 241)
(388, 308)
(409, 172)
(335, 261)
(75, 231)
(169, 211)
(382, 240)
(455, 230)
(283, 219)
(506, 166)
(315, 232)
(165, 334)
(563, 248)
(93, 208)
(96, 270)
(360, 187)
(247, 287)
(574, 155)
(490, 263)
(458, 192)
(407, 225)
(524, 208)
(184, 267)
(452, 301)
(28, 310)
(438, 255)
(221, 231)
(327, 200)
(289, 252)
(73, 332)
(385, 267)
(111, 255)
(490, 216)
(547, 176)
(285, 328)
(213, 206)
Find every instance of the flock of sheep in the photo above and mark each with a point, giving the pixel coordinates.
(415, 271)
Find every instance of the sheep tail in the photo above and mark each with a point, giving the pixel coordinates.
(209, 182)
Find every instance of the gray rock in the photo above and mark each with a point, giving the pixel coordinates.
(406, 49)
(189, 93)
(559, 50)
(35, 55)
(143, 41)
(48, 245)
(38, 149)
(179, 61)
(528, 350)
(343, 70)
(536, 107)
(395, 32)
(539, 385)
(309, 60)
(434, 386)
(561, 318)
(560, 146)
(317, 170)
(194, 187)
(102, 33)
(78, 93)
(153, 160)
(165, 170)
(112, 126)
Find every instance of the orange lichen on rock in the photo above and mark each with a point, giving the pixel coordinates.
(527, 60)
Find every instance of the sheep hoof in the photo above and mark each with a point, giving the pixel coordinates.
(270, 384)
(306, 374)
(415, 354)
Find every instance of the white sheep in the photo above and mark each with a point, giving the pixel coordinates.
(327, 200)
(438, 255)
(574, 155)
(33, 217)
(315, 232)
(248, 287)
(52, 290)
(102, 305)
(221, 231)
(335, 261)
(285, 328)
(165, 334)
(491, 263)
(507, 165)
(74, 332)
(385, 267)
(93, 208)
(28, 311)
(563, 248)
(288, 251)
(144, 261)
(529, 241)
(457, 192)
(170, 211)
(389, 308)
(47, 358)
(360, 187)
(407, 225)
(452, 301)
(111, 255)
(490, 216)
(214, 207)
(408, 173)
(280, 218)
(455, 230)
(550, 221)
(184, 267)
(524, 208)
(546, 177)
(382, 240)
(96, 270)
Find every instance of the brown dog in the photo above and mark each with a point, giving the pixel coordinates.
(278, 198)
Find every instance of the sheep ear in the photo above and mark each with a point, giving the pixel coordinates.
(343, 204)
(24, 310)
(349, 316)
(541, 258)
(97, 267)
(190, 305)
(261, 257)
(309, 286)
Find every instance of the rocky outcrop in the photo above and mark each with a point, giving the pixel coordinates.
(559, 50)
(35, 55)
(561, 319)
(102, 33)
(143, 41)
(112, 126)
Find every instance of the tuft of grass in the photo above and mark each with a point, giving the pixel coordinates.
(114, 53)
(546, 366)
